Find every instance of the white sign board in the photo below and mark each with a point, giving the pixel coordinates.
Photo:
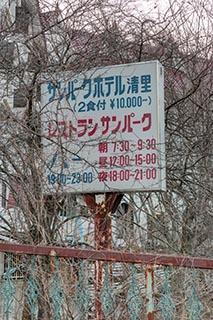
(104, 130)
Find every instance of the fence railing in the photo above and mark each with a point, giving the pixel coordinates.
(58, 283)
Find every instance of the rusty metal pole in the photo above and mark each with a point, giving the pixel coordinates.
(102, 205)
(103, 235)
(150, 292)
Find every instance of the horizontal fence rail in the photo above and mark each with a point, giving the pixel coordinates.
(40, 283)
(110, 256)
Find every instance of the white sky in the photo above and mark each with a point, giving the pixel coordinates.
(198, 13)
(149, 6)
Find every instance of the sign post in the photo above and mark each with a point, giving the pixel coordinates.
(101, 206)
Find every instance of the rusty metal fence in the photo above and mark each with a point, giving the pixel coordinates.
(58, 283)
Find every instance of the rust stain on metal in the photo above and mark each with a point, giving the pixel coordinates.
(149, 292)
(150, 316)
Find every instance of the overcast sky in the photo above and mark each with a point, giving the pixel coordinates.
(149, 6)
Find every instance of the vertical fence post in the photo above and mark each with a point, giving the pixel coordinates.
(149, 292)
